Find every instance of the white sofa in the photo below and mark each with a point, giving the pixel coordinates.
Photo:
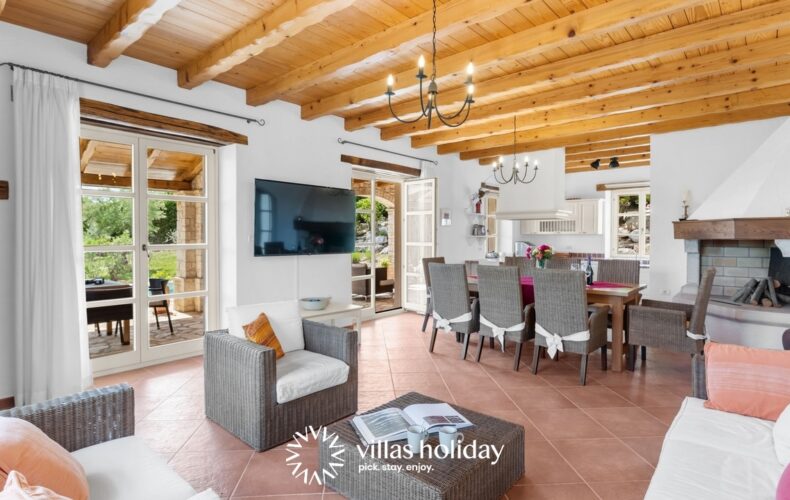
(715, 455)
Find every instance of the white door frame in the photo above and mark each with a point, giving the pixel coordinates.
(418, 272)
(142, 353)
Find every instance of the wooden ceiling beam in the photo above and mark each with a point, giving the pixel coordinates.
(586, 25)
(287, 20)
(715, 63)
(607, 153)
(594, 134)
(602, 145)
(404, 36)
(732, 102)
(741, 81)
(669, 43)
(623, 159)
(605, 166)
(129, 23)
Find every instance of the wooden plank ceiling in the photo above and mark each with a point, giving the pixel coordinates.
(588, 75)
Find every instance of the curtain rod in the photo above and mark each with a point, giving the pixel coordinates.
(343, 141)
(259, 121)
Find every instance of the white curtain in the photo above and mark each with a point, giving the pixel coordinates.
(51, 324)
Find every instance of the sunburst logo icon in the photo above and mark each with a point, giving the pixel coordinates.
(336, 455)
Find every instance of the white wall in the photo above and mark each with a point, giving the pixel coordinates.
(287, 148)
(698, 161)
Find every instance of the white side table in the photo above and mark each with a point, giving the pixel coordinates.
(334, 312)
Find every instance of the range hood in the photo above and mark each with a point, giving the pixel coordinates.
(534, 215)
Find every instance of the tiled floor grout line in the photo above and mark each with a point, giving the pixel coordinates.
(545, 437)
(249, 460)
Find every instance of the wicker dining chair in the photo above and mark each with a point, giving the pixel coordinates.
(562, 263)
(664, 325)
(561, 308)
(502, 304)
(526, 267)
(428, 303)
(450, 297)
(620, 271)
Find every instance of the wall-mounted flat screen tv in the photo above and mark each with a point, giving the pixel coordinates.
(299, 219)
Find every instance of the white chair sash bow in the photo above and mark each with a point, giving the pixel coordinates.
(554, 341)
(447, 324)
(499, 332)
(694, 336)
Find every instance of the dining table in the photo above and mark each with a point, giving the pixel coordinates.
(616, 295)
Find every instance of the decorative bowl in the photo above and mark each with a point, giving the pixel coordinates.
(314, 303)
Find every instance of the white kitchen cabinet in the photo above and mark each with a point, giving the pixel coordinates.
(585, 218)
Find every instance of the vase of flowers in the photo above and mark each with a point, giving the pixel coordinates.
(541, 254)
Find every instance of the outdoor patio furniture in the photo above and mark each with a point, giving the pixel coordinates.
(561, 310)
(428, 303)
(121, 314)
(457, 478)
(159, 287)
(242, 378)
(502, 306)
(452, 309)
(670, 325)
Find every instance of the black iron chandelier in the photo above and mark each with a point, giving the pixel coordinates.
(517, 173)
(432, 104)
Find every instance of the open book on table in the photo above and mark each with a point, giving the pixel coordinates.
(391, 424)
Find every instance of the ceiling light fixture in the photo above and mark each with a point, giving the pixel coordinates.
(432, 105)
(516, 174)
(596, 164)
(613, 163)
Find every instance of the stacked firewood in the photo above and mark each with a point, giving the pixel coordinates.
(763, 292)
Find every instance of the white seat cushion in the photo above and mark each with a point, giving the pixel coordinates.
(711, 454)
(127, 469)
(300, 373)
(284, 317)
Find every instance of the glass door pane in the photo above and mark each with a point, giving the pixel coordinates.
(387, 254)
(362, 262)
(108, 227)
(176, 258)
(419, 238)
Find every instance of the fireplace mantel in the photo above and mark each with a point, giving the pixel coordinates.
(764, 228)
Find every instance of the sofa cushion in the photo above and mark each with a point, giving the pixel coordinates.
(713, 455)
(284, 317)
(747, 381)
(126, 469)
(261, 332)
(304, 372)
(782, 437)
(26, 449)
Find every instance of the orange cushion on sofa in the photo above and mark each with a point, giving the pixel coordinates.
(26, 449)
(747, 381)
(261, 332)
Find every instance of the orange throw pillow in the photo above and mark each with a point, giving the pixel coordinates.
(26, 449)
(261, 332)
(747, 381)
(17, 488)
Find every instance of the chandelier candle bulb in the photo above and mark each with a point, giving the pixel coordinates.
(470, 89)
(421, 62)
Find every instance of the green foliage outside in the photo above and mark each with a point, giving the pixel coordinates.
(108, 222)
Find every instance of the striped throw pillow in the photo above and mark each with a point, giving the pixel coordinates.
(747, 381)
(261, 332)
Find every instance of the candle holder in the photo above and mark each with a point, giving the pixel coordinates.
(685, 206)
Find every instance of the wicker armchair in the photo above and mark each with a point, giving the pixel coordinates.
(664, 324)
(526, 267)
(428, 303)
(502, 304)
(561, 308)
(450, 296)
(241, 386)
(83, 419)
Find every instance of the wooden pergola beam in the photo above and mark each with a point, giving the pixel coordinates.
(747, 79)
(597, 134)
(119, 181)
(685, 70)
(588, 24)
(404, 36)
(2, 6)
(87, 154)
(129, 23)
(731, 102)
(287, 20)
(669, 43)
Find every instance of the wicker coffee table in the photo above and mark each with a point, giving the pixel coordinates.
(372, 478)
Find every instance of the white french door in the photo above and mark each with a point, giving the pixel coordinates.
(149, 219)
(419, 241)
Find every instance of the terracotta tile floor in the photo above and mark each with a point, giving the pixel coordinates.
(600, 442)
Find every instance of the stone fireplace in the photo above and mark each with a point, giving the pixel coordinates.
(740, 250)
